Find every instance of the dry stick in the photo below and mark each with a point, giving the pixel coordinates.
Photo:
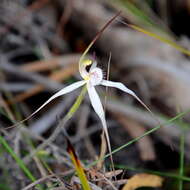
(57, 76)
(40, 138)
(47, 177)
(45, 81)
(102, 151)
(103, 148)
(65, 17)
(33, 6)
(10, 68)
(52, 63)
(109, 181)
(108, 74)
(15, 87)
(43, 123)
(82, 128)
(47, 141)
(4, 105)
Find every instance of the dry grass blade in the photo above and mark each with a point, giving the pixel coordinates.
(46, 178)
(11, 68)
(3, 104)
(48, 64)
(58, 76)
(163, 39)
(102, 152)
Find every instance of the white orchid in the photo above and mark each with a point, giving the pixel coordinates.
(91, 79)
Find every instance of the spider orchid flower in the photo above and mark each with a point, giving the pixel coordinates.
(91, 79)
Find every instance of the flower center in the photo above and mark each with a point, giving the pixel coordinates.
(96, 76)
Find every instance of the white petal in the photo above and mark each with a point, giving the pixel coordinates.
(118, 85)
(94, 65)
(59, 93)
(122, 87)
(68, 89)
(97, 105)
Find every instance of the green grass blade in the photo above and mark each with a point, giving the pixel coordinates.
(18, 160)
(180, 115)
(164, 174)
(138, 16)
(182, 151)
(160, 38)
(149, 132)
(78, 167)
(138, 13)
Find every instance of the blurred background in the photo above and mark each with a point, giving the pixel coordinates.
(41, 42)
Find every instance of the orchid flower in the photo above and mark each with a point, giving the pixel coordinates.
(91, 79)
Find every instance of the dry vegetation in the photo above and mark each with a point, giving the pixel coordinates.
(40, 45)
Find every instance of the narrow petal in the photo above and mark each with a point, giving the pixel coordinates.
(59, 93)
(96, 103)
(98, 108)
(94, 65)
(122, 87)
(118, 85)
(67, 89)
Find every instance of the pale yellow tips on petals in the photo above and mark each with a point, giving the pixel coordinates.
(87, 62)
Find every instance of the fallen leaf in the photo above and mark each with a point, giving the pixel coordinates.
(143, 180)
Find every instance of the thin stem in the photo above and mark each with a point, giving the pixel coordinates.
(182, 151)
(140, 137)
(94, 40)
(164, 174)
